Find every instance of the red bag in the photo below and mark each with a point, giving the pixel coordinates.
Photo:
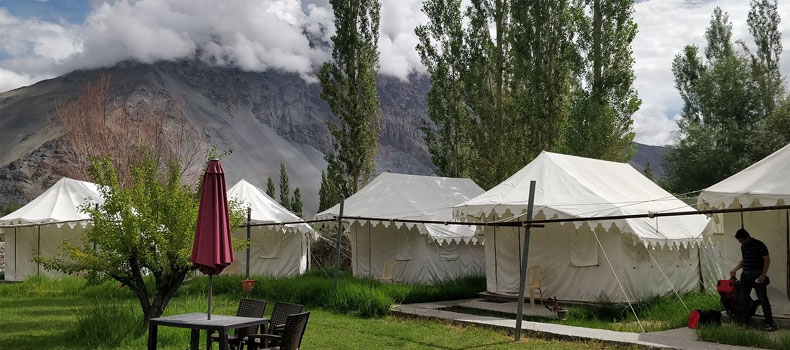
(727, 286)
(694, 319)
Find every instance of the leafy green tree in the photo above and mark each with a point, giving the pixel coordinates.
(545, 58)
(488, 92)
(440, 47)
(604, 101)
(729, 103)
(143, 228)
(296, 202)
(270, 190)
(763, 21)
(285, 192)
(349, 87)
(333, 186)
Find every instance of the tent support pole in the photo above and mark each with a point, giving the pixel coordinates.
(524, 256)
(370, 255)
(337, 243)
(16, 271)
(95, 206)
(787, 236)
(38, 252)
(496, 265)
(699, 265)
(247, 265)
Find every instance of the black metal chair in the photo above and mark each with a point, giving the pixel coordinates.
(247, 308)
(276, 323)
(290, 339)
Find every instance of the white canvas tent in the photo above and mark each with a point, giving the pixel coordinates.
(764, 183)
(278, 250)
(574, 262)
(43, 224)
(411, 252)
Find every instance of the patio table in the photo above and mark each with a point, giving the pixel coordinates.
(199, 320)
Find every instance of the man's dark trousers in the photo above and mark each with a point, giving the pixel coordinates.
(747, 283)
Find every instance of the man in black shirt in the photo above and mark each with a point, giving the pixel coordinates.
(755, 262)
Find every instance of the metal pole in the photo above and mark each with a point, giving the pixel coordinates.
(95, 206)
(247, 268)
(16, 271)
(524, 257)
(38, 253)
(210, 284)
(337, 244)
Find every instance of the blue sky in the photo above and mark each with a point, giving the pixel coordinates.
(73, 11)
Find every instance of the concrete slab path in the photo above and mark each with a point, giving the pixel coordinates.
(682, 338)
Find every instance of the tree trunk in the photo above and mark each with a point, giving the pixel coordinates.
(597, 62)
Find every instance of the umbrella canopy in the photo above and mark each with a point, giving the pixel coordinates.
(212, 250)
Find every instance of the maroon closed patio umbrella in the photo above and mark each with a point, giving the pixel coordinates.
(212, 250)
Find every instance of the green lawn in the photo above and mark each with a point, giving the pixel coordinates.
(656, 314)
(67, 314)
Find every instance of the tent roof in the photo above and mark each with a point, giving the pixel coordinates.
(265, 209)
(59, 204)
(764, 182)
(400, 196)
(569, 186)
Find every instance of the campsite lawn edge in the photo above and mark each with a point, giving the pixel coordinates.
(49, 322)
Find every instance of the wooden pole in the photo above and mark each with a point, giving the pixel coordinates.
(524, 256)
(337, 243)
(247, 267)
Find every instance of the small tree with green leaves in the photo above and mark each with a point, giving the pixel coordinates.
(270, 190)
(143, 228)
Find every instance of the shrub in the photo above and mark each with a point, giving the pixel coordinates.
(358, 300)
(357, 296)
(107, 323)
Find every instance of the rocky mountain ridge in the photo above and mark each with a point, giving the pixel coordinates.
(267, 118)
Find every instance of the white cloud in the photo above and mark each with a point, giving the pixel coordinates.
(11, 80)
(294, 35)
(665, 27)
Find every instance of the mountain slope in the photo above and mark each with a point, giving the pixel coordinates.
(266, 118)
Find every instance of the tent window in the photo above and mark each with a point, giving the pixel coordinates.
(584, 249)
(448, 251)
(267, 243)
(404, 246)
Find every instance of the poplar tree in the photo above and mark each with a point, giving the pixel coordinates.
(285, 192)
(604, 100)
(349, 87)
(270, 190)
(545, 59)
(296, 202)
(440, 47)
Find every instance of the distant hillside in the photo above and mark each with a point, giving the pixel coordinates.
(267, 118)
(649, 154)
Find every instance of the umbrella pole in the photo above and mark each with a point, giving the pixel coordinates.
(247, 265)
(210, 283)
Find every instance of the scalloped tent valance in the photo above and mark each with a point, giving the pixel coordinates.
(400, 196)
(60, 204)
(764, 183)
(573, 187)
(267, 210)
